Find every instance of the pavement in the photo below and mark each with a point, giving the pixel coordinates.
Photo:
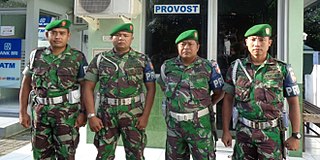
(18, 147)
(14, 142)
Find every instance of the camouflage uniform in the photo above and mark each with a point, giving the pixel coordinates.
(53, 132)
(120, 77)
(187, 90)
(261, 100)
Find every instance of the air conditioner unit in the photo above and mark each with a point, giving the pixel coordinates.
(104, 9)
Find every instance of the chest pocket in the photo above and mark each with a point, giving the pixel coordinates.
(200, 80)
(106, 71)
(134, 72)
(67, 76)
(40, 77)
(242, 89)
(199, 86)
(242, 81)
(172, 80)
(273, 85)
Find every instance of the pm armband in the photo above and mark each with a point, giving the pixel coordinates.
(292, 90)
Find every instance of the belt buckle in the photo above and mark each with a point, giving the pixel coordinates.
(56, 100)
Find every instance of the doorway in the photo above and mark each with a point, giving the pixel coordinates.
(163, 28)
(235, 17)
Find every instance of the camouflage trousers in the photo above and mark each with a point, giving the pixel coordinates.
(117, 121)
(190, 137)
(53, 133)
(253, 144)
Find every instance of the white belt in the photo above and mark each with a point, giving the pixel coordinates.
(188, 116)
(72, 97)
(125, 101)
(259, 125)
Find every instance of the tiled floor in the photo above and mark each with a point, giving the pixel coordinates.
(87, 151)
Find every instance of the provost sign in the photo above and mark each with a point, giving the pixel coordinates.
(177, 9)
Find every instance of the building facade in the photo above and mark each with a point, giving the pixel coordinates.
(221, 25)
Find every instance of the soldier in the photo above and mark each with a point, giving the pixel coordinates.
(54, 75)
(187, 81)
(257, 86)
(123, 108)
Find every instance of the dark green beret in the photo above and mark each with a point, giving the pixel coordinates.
(189, 34)
(63, 23)
(261, 30)
(127, 27)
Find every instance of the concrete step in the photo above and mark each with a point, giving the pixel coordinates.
(9, 126)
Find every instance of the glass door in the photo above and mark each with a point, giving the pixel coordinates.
(166, 19)
(235, 17)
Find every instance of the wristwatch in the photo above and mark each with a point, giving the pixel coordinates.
(90, 115)
(296, 135)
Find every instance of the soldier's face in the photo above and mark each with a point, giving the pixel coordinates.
(58, 37)
(188, 49)
(258, 46)
(122, 41)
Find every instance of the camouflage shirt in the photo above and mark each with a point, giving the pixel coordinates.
(121, 76)
(53, 75)
(261, 99)
(187, 88)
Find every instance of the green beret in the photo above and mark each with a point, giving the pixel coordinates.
(127, 27)
(63, 23)
(261, 30)
(189, 34)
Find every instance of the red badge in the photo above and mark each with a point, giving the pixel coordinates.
(268, 32)
(131, 27)
(63, 23)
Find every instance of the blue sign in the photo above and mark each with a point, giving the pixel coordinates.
(10, 73)
(177, 9)
(10, 48)
(44, 20)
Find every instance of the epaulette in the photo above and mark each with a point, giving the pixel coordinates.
(281, 61)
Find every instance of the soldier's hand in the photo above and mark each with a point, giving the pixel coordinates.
(81, 120)
(227, 139)
(292, 143)
(25, 120)
(95, 124)
(142, 122)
